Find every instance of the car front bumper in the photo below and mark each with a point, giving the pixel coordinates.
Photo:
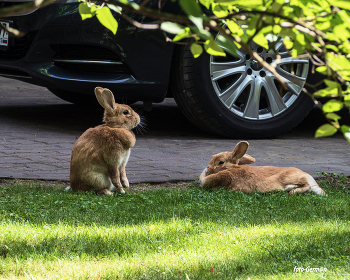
(62, 51)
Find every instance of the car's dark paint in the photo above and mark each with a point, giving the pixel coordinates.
(144, 55)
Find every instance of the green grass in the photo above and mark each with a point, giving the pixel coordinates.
(183, 233)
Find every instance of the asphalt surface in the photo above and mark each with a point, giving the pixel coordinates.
(38, 131)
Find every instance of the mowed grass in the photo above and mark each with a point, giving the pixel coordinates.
(182, 233)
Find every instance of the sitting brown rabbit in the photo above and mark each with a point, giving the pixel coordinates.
(224, 171)
(100, 154)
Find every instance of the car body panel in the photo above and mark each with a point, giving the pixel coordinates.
(143, 56)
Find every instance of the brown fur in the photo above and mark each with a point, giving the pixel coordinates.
(228, 170)
(100, 154)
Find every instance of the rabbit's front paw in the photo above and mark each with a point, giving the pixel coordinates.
(120, 190)
(125, 182)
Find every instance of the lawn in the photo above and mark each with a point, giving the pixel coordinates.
(181, 232)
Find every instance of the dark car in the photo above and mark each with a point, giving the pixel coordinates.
(230, 96)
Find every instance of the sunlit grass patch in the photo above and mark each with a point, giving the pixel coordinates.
(172, 234)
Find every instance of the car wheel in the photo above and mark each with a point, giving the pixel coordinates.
(235, 97)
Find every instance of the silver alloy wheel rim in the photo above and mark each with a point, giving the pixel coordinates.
(258, 88)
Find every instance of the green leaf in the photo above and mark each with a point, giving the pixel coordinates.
(235, 28)
(206, 3)
(297, 49)
(325, 130)
(106, 18)
(327, 92)
(332, 84)
(323, 25)
(213, 48)
(115, 8)
(332, 90)
(333, 116)
(344, 15)
(342, 32)
(253, 24)
(343, 4)
(219, 11)
(204, 34)
(261, 40)
(322, 70)
(287, 32)
(332, 47)
(345, 128)
(288, 43)
(85, 11)
(196, 50)
(277, 29)
(191, 8)
(172, 28)
(341, 64)
(134, 5)
(198, 21)
(347, 136)
(301, 39)
(345, 47)
(185, 34)
(246, 4)
(332, 106)
(227, 44)
(346, 131)
(347, 100)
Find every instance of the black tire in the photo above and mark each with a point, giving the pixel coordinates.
(194, 93)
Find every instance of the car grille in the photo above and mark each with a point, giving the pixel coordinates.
(19, 48)
(85, 58)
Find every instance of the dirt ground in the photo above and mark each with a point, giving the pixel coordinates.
(331, 179)
(133, 187)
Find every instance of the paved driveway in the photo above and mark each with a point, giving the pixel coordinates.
(38, 131)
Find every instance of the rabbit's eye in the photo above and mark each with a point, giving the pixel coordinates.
(221, 162)
(126, 112)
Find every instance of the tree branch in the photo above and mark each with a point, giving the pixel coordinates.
(140, 25)
(275, 15)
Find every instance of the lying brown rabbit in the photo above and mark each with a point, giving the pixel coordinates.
(100, 154)
(228, 170)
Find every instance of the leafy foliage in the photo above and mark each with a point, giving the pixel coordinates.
(319, 29)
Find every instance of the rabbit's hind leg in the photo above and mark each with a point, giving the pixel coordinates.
(308, 189)
(290, 188)
(310, 186)
(314, 187)
(98, 181)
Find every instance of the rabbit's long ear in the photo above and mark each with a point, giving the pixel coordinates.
(239, 151)
(105, 98)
